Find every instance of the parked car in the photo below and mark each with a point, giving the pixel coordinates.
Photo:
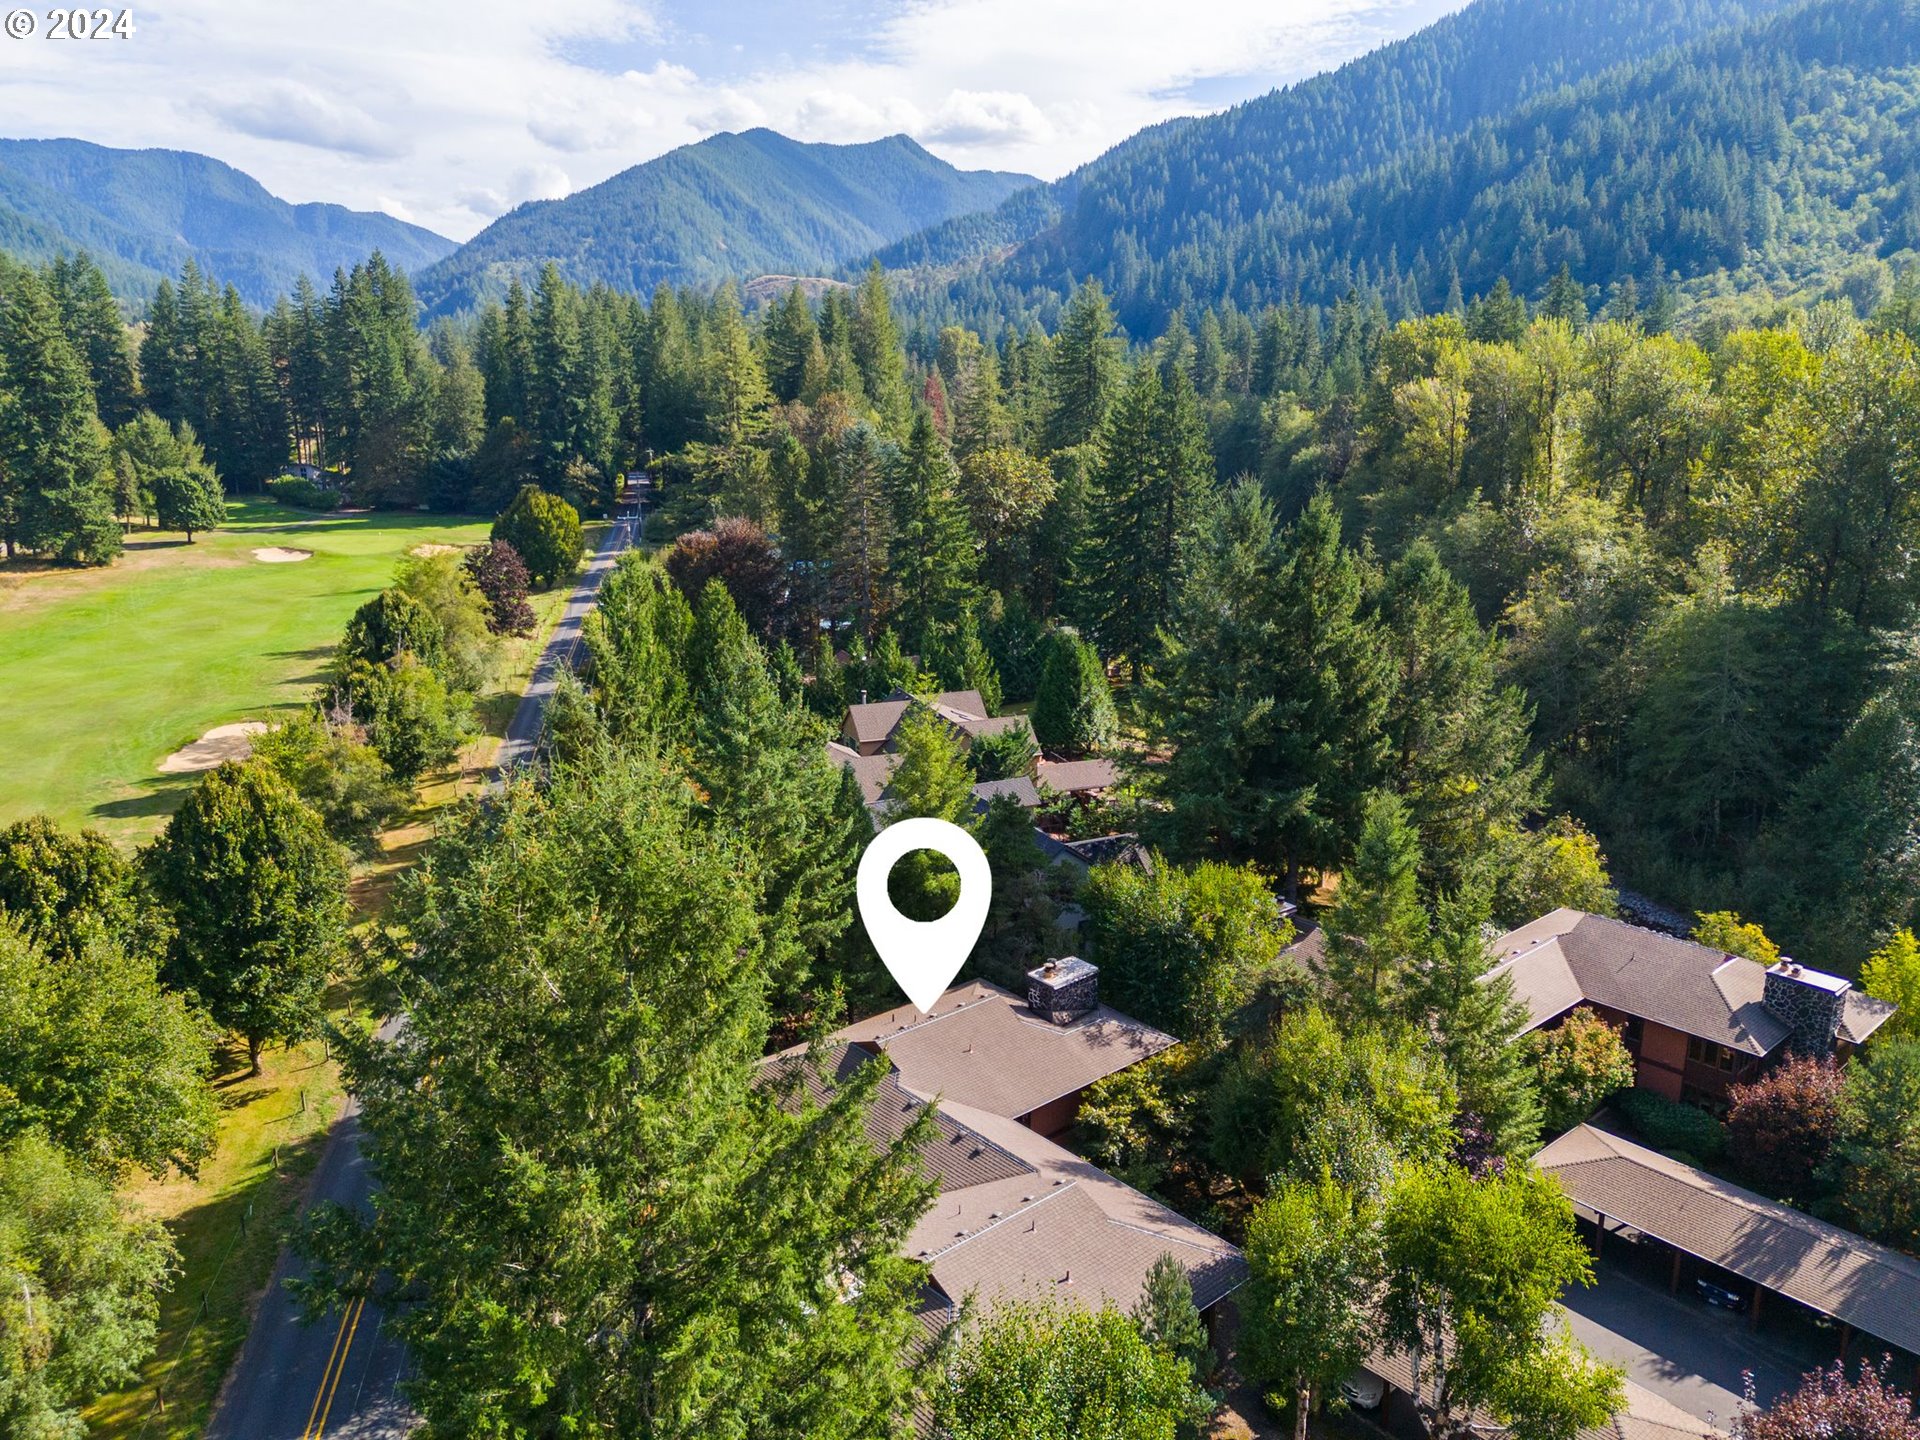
(1719, 1295)
(1363, 1390)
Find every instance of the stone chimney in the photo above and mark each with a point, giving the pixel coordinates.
(1808, 1002)
(1063, 990)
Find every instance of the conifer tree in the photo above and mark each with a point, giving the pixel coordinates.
(874, 341)
(56, 493)
(1082, 369)
(1151, 488)
(649, 1233)
(789, 338)
(932, 555)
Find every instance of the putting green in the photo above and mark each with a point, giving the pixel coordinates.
(104, 672)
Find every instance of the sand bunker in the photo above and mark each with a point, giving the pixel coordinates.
(220, 744)
(280, 555)
(435, 548)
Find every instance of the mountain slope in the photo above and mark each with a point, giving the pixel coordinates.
(731, 205)
(143, 213)
(1179, 194)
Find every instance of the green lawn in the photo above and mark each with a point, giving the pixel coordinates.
(229, 1222)
(103, 672)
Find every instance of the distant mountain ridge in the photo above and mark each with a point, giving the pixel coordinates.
(142, 214)
(1153, 215)
(730, 206)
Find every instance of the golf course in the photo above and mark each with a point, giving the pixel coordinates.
(105, 672)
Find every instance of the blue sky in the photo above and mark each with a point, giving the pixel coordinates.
(448, 112)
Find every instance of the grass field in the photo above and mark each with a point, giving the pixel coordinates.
(229, 1223)
(108, 670)
(103, 673)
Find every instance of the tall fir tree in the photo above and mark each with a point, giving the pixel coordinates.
(933, 554)
(56, 495)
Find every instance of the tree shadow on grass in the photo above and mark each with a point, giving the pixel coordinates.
(158, 795)
(228, 1245)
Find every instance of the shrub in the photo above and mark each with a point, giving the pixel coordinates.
(1783, 1126)
(1829, 1405)
(1669, 1125)
(302, 494)
(1581, 1062)
(502, 577)
(545, 530)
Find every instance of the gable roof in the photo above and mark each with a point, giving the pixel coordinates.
(1569, 956)
(981, 1046)
(1072, 775)
(876, 720)
(873, 772)
(1833, 1271)
(1018, 1216)
(1018, 788)
(955, 1156)
(1068, 1229)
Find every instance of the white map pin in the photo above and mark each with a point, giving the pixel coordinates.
(923, 956)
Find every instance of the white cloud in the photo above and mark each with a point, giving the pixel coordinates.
(577, 126)
(289, 110)
(537, 182)
(455, 109)
(988, 117)
(843, 117)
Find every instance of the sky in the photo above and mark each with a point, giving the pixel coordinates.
(447, 113)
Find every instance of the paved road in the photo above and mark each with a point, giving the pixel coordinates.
(334, 1378)
(1679, 1348)
(523, 733)
(337, 1379)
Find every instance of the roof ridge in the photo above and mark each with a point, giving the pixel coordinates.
(931, 1019)
(1751, 1201)
(1059, 1187)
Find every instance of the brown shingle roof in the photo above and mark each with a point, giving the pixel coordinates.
(1017, 787)
(982, 1047)
(1569, 956)
(1833, 1271)
(955, 1156)
(876, 720)
(873, 772)
(1072, 1230)
(1861, 1015)
(1069, 776)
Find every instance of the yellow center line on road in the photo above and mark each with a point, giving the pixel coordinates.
(336, 1367)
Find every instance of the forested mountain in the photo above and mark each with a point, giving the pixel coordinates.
(1734, 142)
(729, 206)
(141, 214)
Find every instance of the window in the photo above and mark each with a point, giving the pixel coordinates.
(1635, 1028)
(1705, 1052)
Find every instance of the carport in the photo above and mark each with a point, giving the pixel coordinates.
(1864, 1287)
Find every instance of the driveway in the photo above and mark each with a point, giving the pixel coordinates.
(1681, 1349)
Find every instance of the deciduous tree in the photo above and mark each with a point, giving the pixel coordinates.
(258, 896)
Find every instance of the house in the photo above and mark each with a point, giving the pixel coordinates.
(1018, 1216)
(1081, 779)
(869, 727)
(875, 772)
(1080, 856)
(1029, 1059)
(1702, 1219)
(1697, 1020)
